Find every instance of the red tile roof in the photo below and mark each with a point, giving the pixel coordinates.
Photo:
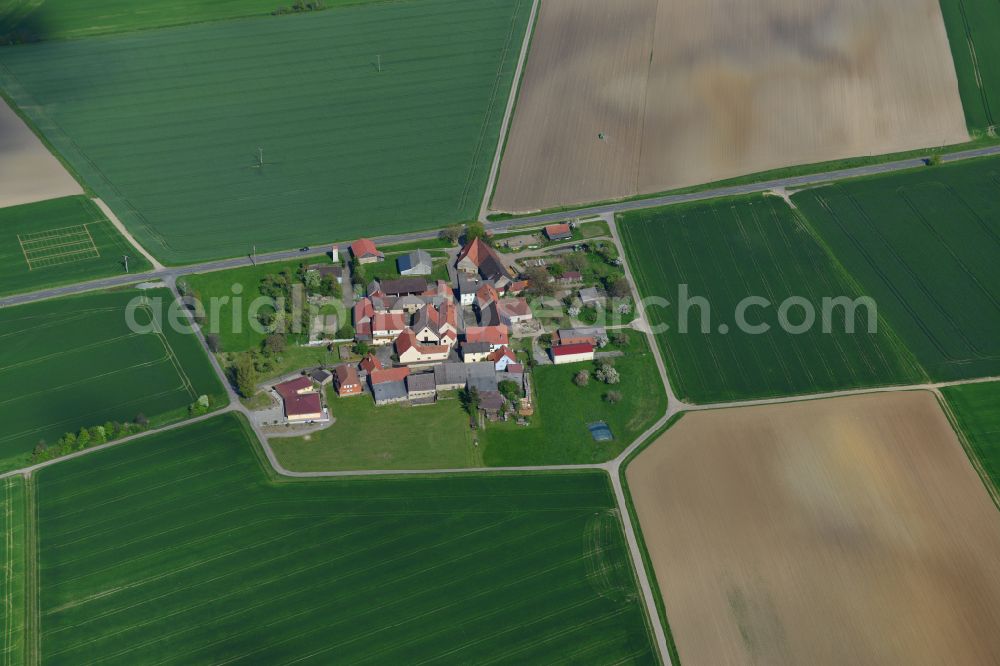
(301, 405)
(570, 350)
(364, 247)
(388, 322)
(370, 362)
(293, 386)
(297, 404)
(476, 251)
(495, 335)
(363, 310)
(346, 375)
(557, 229)
(515, 306)
(389, 375)
(500, 353)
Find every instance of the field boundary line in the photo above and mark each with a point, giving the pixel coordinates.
(515, 89)
(24, 252)
(32, 588)
(117, 224)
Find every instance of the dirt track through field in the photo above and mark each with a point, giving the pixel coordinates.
(842, 531)
(28, 171)
(626, 97)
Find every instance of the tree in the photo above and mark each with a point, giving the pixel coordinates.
(470, 399)
(474, 230)
(538, 279)
(213, 343)
(274, 343)
(613, 397)
(246, 375)
(451, 234)
(362, 348)
(619, 287)
(510, 390)
(312, 279)
(934, 160)
(39, 451)
(329, 286)
(601, 340)
(576, 262)
(83, 439)
(556, 269)
(581, 378)
(608, 375)
(183, 288)
(98, 435)
(345, 332)
(621, 339)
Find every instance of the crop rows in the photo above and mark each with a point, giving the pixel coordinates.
(107, 372)
(972, 31)
(727, 251)
(165, 125)
(12, 571)
(177, 549)
(924, 245)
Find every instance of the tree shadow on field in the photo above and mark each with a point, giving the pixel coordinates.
(17, 28)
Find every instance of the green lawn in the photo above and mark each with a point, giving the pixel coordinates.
(68, 240)
(387, 270)
(924, 244)
(74, 362)
(388, 437)
(234, 291)
(974, 33)
(177, 548)
(66, 19)
(728, 250)
(165, 125)
(558, 432)
(977, 409)
(12, 574)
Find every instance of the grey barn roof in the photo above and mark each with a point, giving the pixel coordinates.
(389, 391)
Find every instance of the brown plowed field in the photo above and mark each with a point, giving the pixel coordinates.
(843, 531)
(695, 91)
(28, 171)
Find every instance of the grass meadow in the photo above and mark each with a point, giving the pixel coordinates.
(232, 322)
(60, 241)
(727, 250)
(165, 125)
(13, 576)
(974, 34)
(73, 362)
(558, 432)
(924, 245)
(390, 437)
(976, 408)
(178, 548)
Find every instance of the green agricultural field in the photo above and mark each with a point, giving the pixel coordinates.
(12, 574)
(977, 409)
(63, 19)
(234, 291)
(165, 125)
(974, 33)
(60, 241)
(178, 548)
(924, 244)
(726, 251)
(389, 437)
(74, 362)
(558, 432)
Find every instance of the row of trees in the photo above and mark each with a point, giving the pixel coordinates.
(300, 6)
(87, 437)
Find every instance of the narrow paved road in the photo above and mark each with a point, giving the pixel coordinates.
(501, 226)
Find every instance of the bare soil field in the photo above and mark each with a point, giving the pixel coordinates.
(694, 91)
(843, 531)
(28, 171)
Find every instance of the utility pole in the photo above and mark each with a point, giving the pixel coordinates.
(379, 61)
(125, 259)
(253, 254)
